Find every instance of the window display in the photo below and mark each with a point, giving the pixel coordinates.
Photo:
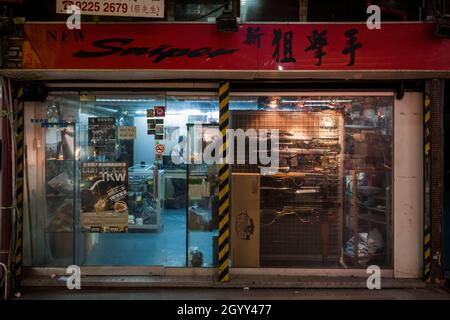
(327, 203)
(368, 180)
(60, 168)
(300, 201)
(333, 180)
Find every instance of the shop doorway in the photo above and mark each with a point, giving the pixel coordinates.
(328, 205)
(328, 202)
(84, 137)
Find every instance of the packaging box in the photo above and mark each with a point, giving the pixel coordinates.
(245, 220)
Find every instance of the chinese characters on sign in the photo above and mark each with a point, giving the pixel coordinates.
(287, 40)
(253, 36)
(352, 45)
(255, 47)
(124, 8)
(317, 41)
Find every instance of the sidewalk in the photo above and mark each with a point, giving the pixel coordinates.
(236, 282)
(240, 287)
(52, 293)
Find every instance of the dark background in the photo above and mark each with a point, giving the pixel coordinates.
(447, 180)
(257, 10)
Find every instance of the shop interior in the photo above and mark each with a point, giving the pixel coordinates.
(327, 204)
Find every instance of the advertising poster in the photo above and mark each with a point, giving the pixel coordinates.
(102, 138)
(104, 196)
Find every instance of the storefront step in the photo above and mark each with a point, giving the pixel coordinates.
(235, 282)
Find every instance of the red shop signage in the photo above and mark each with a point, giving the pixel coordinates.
(405, 46)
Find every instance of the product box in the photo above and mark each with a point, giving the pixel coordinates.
(245, 220)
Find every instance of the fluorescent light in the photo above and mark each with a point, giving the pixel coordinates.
(317, 101)
(188, 112)
(123, 100)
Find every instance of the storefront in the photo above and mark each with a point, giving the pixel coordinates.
(116, 166)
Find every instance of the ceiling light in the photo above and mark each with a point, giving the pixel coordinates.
(123, 100)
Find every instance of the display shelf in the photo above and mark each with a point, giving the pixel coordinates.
(291, 174)
(59, 160)
(367, 218)
(145, 227)
(362, 127)
(357, 259)
(380, 197)
(372, 218)
(53, 195)
(58, 232)
(362, 206)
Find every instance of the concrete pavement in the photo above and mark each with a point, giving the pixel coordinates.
(52, 293)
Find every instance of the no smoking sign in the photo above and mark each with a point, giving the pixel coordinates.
(160, 149)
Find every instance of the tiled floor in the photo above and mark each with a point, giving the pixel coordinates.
(164, 248)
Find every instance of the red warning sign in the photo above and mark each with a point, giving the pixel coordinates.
(160, 111)
(160, 149)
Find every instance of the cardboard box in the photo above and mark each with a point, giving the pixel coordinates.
(245, 220)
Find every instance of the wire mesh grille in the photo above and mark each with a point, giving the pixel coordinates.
(299, 224)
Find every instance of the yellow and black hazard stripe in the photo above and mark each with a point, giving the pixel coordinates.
(427, 170)
(427, 253)
(224, 186)
(19, 127)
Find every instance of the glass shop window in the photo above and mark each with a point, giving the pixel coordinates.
(49, 219)
(325, 199)
(101, 193)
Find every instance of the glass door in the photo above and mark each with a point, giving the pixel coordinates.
(97, 139)
(115, 143)
(59, 190)
(202, 197)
